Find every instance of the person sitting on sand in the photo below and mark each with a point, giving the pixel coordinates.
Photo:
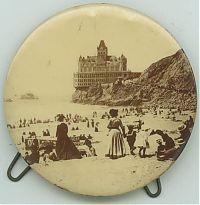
(169, 142)
(169, 146)
(47, 132)
(35, 143)
(160, 149)
(190, 122)
(92, 151)
(87, 142)
(49, 155)
(27, 158)
(34, 148)
(81, 137)
(163, 153)
(131, 138)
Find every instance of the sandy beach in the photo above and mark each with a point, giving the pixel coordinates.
(93, 174)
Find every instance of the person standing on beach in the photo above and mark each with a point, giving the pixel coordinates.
(116, 132)
(131, 138)
(92, 123)
(23, 137)
(88, 123)
(65, 148)
(96, 128)
(139, 125)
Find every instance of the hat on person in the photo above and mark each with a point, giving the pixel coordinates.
(113, 112)
(181, 127)
(61, 117)
(33, 134)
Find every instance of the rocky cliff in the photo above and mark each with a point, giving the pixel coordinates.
(168, 82)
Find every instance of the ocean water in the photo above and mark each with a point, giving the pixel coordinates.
(44, 110)
(47, 109)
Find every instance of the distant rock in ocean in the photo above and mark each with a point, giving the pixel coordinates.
(8, 100)
(168, 82)
(29, 96)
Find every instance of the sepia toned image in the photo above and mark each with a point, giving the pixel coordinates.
(100, 100)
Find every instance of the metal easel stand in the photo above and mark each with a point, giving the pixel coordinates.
(26, 170)
(149, 193)
(9, 174)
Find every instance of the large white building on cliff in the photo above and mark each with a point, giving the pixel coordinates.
(102, 68)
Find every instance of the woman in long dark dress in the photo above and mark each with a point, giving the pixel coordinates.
(116, 132)
(65, 148)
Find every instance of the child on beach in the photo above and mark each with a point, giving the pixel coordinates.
(160, 149)
(49, 155)
(142, 142)
(27, 158)
(131, 138)
(92, 151)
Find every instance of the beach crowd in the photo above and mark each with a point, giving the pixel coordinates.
(138, 138)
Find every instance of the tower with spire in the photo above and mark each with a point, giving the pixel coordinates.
(102, 53)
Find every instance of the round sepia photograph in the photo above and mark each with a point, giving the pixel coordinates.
(100, 100)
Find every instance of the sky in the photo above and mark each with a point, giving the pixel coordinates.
(45, 63)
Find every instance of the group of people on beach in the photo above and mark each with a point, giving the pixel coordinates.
(138, 139)
(167, 147)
